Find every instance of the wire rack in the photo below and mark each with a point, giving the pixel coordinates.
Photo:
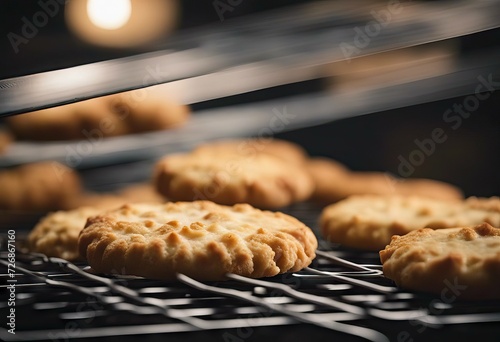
(343, 295)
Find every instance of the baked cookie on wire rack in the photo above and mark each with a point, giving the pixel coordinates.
(56, 235)
(457, 263)
(201, 239)
(368, 222)
(262, 180)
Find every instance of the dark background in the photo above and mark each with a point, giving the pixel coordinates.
(55, 47)
(469, 158)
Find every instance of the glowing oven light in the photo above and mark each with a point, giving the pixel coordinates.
(109, 14)
(122, 23)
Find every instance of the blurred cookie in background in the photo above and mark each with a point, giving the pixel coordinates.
(282, 149)
(38, 186)
(261, 180)
(145, 110)
(335, 182)
(124, 113)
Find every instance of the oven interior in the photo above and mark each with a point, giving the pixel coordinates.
(366, 112)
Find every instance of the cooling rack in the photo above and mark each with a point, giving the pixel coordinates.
(341, 295)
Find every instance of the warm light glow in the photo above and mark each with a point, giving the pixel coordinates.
(109, 14)
(122, 23)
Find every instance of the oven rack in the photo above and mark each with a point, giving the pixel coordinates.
(343, 295)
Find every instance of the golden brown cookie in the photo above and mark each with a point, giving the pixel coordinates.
(144, 110)
(262, 180)
(282, 149)
(368, 222)
(335, 182)
(38, 186)
(56, 235)
(118, 114)
(457, 263)
(68, 122)
(200, 239)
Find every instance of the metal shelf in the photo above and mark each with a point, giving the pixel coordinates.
(341, 295)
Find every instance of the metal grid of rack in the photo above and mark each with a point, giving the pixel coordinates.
(343, 294)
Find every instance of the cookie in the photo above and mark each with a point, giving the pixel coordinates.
(368, 222)
(200, 239)
(282, 149)
(56, 235)
(38, 186)
(68, 122)
(113, 115)
(457, 263)
(334, 182)
(145, 110)
(262, 180)
(426, 188)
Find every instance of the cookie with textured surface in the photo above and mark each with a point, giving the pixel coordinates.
(368, 222)
(56, 235)
(262, 180)
(457, 263)
(201, 239)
